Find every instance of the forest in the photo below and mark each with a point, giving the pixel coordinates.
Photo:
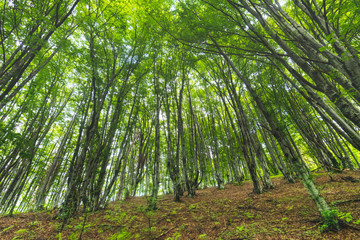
(103, 100)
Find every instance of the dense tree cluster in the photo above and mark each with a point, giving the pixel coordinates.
(101, 100)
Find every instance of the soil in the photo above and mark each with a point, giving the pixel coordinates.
(286, 212)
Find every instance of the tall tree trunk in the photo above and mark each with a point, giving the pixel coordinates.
(53, 169)
(172, 162)
(156, 175)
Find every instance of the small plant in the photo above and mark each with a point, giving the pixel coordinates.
(203, 236)
(183, 227)
(290, 207)
(73, 236)
(347, 216)
(176, 236)
(69, 226)
(309, 232)
(242, 232)
(148, 215)
(34, 224)
(133, 219)
(123, 235)
(24, 234)
(152, 203)
(5, 229)
(22, 231)
(85, 228)
(248, 215)
(192, 207)
(330, 221)
(240, 229)
(278, 230)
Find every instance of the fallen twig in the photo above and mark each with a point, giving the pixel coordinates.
(165, 232)
(347, 201)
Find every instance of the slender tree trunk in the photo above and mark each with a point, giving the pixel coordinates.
(171, 163)
(156, 176)
(53, 169)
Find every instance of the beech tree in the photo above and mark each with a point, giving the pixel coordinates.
(103, 100)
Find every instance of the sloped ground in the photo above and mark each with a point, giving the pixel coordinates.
(286, 212)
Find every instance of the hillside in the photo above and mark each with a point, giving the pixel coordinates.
(286, 212)
(101, 100)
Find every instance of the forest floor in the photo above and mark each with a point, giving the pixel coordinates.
(286, 212)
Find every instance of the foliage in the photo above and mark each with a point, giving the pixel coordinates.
(330, 221)
(105, 100)
(120, 236)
